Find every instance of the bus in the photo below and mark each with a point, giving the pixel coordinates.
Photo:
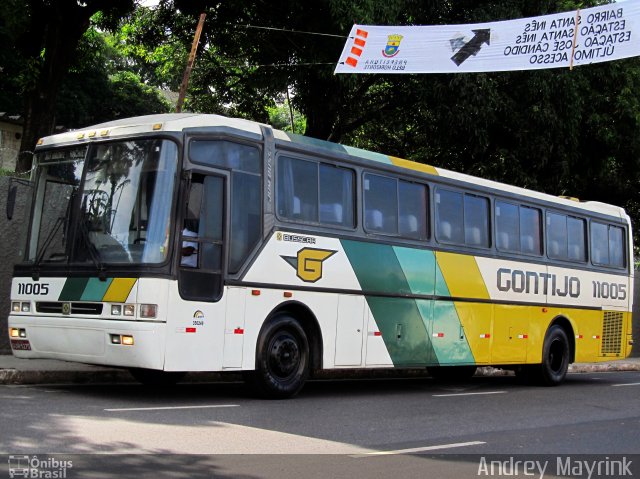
(187, 242)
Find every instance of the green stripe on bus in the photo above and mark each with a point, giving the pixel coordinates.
(419, 268)
(95, 289)
(415, 332)
(453, 347)
(442, 320)
(73, 289)
(377, 267)
(369, 155)
(403, 330)
(314, 142)
(403, 327)
(326, 145)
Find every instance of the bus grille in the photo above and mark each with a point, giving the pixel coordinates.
(612, 332)
(94, 309)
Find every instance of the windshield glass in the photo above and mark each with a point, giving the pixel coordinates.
(59, 174)
(124, 208)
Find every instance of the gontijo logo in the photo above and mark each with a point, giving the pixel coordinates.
(308, 263)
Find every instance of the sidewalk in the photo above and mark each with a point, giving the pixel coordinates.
(51, 371)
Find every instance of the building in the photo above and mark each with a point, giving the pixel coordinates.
(10, 138)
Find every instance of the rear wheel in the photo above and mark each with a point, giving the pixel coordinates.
(556, 354)
(282, 359)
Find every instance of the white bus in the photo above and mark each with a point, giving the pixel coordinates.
(187, 242)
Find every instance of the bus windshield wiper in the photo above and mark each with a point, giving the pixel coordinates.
(45, 246)
(94, 254)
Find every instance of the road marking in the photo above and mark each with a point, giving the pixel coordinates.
(420, 449)
(626, 384)
(166, 408)
(468, 394)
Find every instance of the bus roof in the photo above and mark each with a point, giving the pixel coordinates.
(177, 122)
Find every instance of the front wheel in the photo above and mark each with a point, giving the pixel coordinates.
(282, 359)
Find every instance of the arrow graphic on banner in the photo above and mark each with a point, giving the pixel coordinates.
(473, 46)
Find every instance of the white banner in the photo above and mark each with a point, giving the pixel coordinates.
(568, 39)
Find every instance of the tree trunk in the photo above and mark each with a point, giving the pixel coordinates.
(55, 29)
(66, 24)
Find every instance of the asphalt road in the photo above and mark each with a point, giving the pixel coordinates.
(365, 428)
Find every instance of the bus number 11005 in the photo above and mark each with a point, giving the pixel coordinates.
(604, 290)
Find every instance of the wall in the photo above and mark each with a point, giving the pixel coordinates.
(10, 138)
(12, 238)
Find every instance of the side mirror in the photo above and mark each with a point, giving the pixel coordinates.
(11, 200)
(12, 194)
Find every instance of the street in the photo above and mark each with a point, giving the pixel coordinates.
(360, 428)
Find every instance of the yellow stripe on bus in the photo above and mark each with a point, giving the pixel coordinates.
(412, 165)
(462, 275)
(119, 290)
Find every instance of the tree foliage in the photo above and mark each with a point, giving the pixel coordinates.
(563, 132)
(45, 35)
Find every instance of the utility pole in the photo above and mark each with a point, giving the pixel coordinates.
(192, 59)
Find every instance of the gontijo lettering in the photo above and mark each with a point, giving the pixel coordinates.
(532, 282)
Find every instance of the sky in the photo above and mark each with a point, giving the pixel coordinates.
(149, 3)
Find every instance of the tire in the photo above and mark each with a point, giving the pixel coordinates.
(451, 373)
(282, 359)
(556, 354)
(155, 378)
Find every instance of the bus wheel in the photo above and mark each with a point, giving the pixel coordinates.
(451, 373)
(282, 359)
(555, 357)
(155, 378)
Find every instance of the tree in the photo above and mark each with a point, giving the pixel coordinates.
(255, 52)
(47, 34)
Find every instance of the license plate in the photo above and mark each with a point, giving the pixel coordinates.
(20, 345)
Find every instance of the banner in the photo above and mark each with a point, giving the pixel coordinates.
(568, 39)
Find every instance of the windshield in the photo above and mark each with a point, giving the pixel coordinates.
(123, 213)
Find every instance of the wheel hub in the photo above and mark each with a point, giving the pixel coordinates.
(284, 356)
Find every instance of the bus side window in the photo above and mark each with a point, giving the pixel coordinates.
(189, 252)
(476, 221)
(557, 236)
(507, 226)
(336, 195)
(380, 204)
(412, 210)
(530, 230)
(449, 216)
(576, 238)
(616, 247)
(245, 217)
(297, 189)
(599, 244)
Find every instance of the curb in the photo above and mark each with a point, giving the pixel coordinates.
(604, 367)
(16, 377)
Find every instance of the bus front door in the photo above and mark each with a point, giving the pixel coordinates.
(197, 310)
